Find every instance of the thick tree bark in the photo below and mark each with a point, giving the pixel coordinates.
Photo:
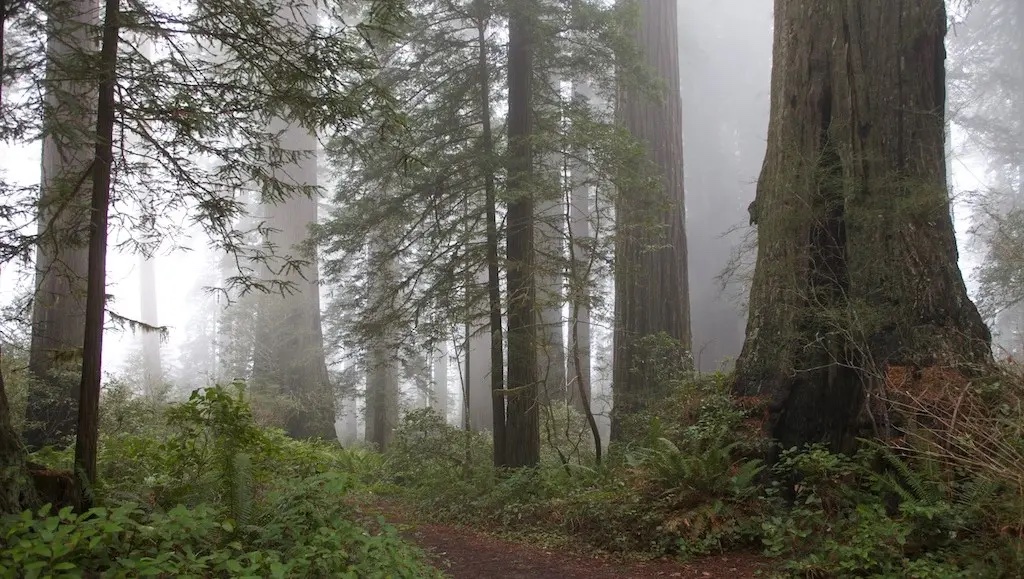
(522, 446)
(62, 258)
(87, 439)
(857, 261)
(651, 288)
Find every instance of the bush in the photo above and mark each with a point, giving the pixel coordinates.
(210, 495)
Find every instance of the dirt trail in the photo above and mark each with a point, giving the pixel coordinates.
(465, 553)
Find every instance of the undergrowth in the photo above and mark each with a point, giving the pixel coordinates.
(692, 483)
(197, 490)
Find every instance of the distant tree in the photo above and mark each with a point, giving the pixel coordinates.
(857, 261)
(289, 357)
(441, 190)
(726, 115)
(152, 368)
(651, 287)
(987, 103)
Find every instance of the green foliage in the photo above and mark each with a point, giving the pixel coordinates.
(210, 494)
(880, 514)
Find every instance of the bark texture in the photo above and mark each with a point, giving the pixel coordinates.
(62, 257)
(522, 436)
(651, 288)
(857, 259)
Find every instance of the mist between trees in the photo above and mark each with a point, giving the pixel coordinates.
(560, 233)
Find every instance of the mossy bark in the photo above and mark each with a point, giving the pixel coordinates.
(857, 260)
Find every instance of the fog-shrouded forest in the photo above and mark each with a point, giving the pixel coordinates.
(512, 288)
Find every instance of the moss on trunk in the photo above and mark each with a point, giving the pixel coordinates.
(857, 260)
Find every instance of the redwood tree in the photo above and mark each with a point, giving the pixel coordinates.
(58, 306)
(857, 259)
(522, 427)
(651, 288)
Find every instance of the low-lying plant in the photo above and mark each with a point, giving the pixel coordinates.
(211, 495)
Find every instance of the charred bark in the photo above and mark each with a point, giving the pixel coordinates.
(857, 260)
(651, 287)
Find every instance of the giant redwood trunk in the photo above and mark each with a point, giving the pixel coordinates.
(651, 287)
(857, 261)
(522, 429)
(62, 260)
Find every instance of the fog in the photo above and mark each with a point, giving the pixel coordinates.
(725, 56)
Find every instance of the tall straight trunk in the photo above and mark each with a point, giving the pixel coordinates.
(578, 373)
(95, 304)
(550, 273)
(651, 287)
(522, 446)
(381, 396)
(290, 357)
(440, 398)
(152, 370)
(497, 344)
(857, 261)
(62, 258)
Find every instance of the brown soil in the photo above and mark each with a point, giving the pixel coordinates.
(465, 553)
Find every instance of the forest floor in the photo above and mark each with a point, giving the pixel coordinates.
(466, 553)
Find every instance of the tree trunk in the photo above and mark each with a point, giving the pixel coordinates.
(857, 260)
(497, 344)
(95, 305)
(549, 265)
(381, 396)
(651, 288)
(152, 370)
(478, 405)
(522, 446)
(579, 282)
(62, 257)
(440, 398)
(290, 357)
